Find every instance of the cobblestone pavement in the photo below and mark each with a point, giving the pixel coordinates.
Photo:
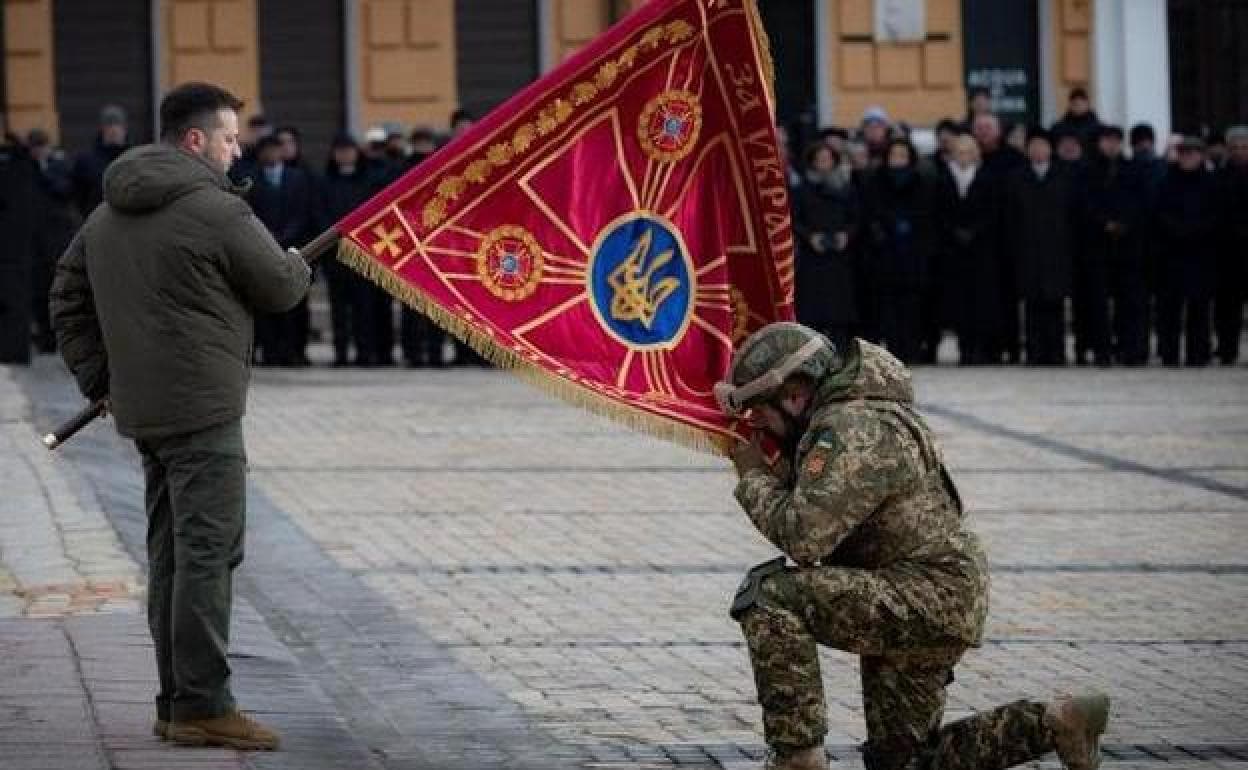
(470, 574)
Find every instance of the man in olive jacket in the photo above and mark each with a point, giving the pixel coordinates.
(152, 306)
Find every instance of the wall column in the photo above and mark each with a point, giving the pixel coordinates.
(29, 87)
(1132, 58)
(919, 82)
(1066, 52)
(214, 41)
(403, 57)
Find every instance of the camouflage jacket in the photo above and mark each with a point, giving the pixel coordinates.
(868, 489)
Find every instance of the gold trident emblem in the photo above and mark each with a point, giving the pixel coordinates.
(387, 241)
(635, 298)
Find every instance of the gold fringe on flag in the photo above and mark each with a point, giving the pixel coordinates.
(484, 343)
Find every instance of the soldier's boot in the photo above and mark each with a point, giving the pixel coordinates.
(812, 758)
(234, 730)
(1077, 722)
(160, 728)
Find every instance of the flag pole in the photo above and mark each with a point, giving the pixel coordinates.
(310, 253)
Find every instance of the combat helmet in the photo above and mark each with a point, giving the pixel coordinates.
(770, 356)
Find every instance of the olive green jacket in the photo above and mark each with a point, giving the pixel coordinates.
(153, 301)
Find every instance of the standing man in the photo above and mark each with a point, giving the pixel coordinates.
(284, 198)
(1039, 222)
(1080, 120)
(862, 503)
(153, 306)
(1112, 255)
(18, 185)
(56, 223)
(1232, 278)
(1187, 222)
(1001, 160)
(111, 141)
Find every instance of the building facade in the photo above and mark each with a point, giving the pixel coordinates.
(325, 64)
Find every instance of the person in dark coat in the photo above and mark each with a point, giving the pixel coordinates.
(285, 200)
(88, 170)
(1040, 221)
(56, 220)
(420, 339)
(18, 185)
(939, 312)
(1149, 170)
(969, 219)
(824, 221)
(1232, 288)
(999, 161)
(1080, 120)
(245, 168)
(1187, 216)
(1112, 256)
(904, 232)
(346, 186)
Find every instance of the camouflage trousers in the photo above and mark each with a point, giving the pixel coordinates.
(904, 676)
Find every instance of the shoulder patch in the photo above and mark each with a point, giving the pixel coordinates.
(814, 464)
(817, 459)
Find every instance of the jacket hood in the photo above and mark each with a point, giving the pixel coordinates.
(869, 372)
(153, 176)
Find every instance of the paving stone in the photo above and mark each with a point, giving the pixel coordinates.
(459, 572)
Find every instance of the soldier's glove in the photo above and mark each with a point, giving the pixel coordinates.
(748, 456)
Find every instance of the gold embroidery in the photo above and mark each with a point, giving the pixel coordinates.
(637, 297)
(550, 118)
(499, 154)
(387, 241)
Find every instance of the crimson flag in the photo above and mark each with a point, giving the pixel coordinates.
(612, 230)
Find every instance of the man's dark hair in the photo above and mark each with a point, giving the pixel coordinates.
(1143, 132)
(193, 105)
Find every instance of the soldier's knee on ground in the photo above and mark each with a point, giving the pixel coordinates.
(767, 583)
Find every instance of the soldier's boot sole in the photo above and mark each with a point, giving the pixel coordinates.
(195, 736)
(1078, 723)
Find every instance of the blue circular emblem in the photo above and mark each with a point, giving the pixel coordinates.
(641, 281)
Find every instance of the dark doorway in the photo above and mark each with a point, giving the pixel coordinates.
(497, 51)
(301, 71)
(1208, 64)
(790, 28)
(103, 56)
(1001, 55)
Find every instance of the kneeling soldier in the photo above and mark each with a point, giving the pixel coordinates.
(861, 501)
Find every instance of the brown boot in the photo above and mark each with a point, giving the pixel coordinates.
(812, 758)
(1077, 723)
(160, 728)
(235, 730)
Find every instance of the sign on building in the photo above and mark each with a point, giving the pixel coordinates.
(900, 21)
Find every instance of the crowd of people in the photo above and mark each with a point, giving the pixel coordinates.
(1005, 236)
(1009, 236)
(294, 197)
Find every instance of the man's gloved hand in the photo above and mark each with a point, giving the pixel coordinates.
(748, 456)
